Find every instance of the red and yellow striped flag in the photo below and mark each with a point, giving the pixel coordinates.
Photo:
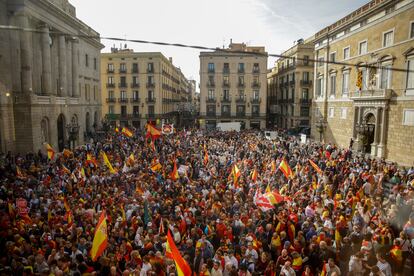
(152, 132)
(317, 169)
(100, 239)
(174, 174)
(127, 132)
(286, 170)
(183, 269)
(254, 175)
(50, 151)
(236, 174)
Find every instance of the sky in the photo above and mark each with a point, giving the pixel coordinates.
(275, 24)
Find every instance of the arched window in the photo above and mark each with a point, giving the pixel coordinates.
(44, 130)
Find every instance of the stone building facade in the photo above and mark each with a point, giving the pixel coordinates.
(138, 87)
(360, 96)
(48, 80)
(290, 87)
(233, 86)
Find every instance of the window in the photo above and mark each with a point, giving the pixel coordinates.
(240, 109)
(345, 83)
(95, 63)
(123, 81)
(210, 80)
(305, 60)
(241, 68)
(319, 87)
(225, 80)
(332, 57)
(135, 109)
(110, 94)
(211, 109)
(256, 94)
(111, 109)
(150, 94)
(135, 95)
(150, 67)
(123, 110)
(347, 53)
(134, 67)
(385, 76)
(226, 94)
(95, 89)
(321, 61)
(111, 80)
(226, 68)
(410, 77)
(110, 67)
(305, 76)
(255, 109)
(225, 109)
(256, 68)
(344, 112)
(363, 47)
(241, 80)
(151, 110)
(211, 94)
(412, 30)
(150, 79)
(332, 85)
(241, 94)
(304, 111)
(211, 67)
(318, 112)
(123, 94)
(408, 117)
(331, 111)
(86, 60)
(388, 39)
(122, 67)
(305, 93)
(134, 80)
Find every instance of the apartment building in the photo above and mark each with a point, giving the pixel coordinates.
(290, 87)
(49, 78)
(138, 87)
(233, 86)
(361, 96)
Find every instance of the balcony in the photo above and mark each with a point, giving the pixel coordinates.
(210, 99)
(255, 100)
(256, 71)
(122, 100)
(240, 70)
(305, 101)
(150, 100)
(241, 114)
(240, 100)
(123, 71)
(134, 85)
(211, 71)
(122, 85)
(226, 70)
(241, 85)
(211, 84)
(110, 85)
(211, 114)
(134, 100)
(226, 84)
(375, 94)
(150, 71)
(136, 115)
(151, 116)
(150, 84)
(292, 82)
(134, 71)
(306, 82)
(110, 100)
(256, 85)
(226, 113)
(112, 117)
(226, 100)
(110, 71)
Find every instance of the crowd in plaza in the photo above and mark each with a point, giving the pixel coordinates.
(333, 217)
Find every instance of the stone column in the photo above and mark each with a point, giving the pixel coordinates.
(75, 76)
(62, 66)
(69, 83)
(381, 146)
(377, 124)
(26, 54)
(356, 114)
(46, 62)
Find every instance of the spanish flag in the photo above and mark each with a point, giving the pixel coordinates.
(183, 269)
(274, 197)
(91, 160)
(131, 160)
(286, 170)
(317, 169)
(100, 239)
(107, 163)
(152, 132)
(254, 175)
(127, 132)
(174, 174)
(156, 166)
(50, 151)
(236, 174)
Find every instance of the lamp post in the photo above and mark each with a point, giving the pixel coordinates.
(320, 127)
(73, 131)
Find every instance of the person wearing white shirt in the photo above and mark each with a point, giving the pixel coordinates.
(383, 265)
(287, 270)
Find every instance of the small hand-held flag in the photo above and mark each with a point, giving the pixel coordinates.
(127, 132)
(286, 170)
(50, 151)
(107, 163)
(100, 239)
(182, 267)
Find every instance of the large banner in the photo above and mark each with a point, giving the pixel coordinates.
(167, 129)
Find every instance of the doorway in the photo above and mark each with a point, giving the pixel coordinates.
(61, 132)
(369, 135)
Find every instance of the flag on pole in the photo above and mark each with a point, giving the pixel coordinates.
(91, 160)
(236, 174)
(183, 269)
(254, 175)
(316, 167)
(286, 170)
(205, 155)
(107, 163)
(152, 132)
(100, 239)
(155, 166)
(50, 151)
(127, 132)
(359, 80)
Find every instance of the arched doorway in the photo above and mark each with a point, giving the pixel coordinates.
(88, 123)
(369, 134)
(61, 122)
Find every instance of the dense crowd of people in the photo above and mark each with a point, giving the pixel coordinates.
(340, 221)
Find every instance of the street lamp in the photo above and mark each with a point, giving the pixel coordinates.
(320, 127)
(73, 131)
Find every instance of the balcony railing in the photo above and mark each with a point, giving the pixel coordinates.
(241, 85)
(122, 85)
(240, 100)
(122, 100)
(150, 100)
(256, 71)
(226, 100)
(226, 113)
(211, 71)
(305, 101)
(211, 84)
(134, 100)
(292, 82)
(136, 115)
(134, 85)
(255, 100)
(110, 100)
(226, 84)
(211, 114)
(305, 82)
(150, 71)
(134, 71)
(240, 70)
(374, 94)
(256, 85)
(123, 71)
(150, 84)
(210, 99)
(241, 114)
(226, 70)
(110, 85)
(110, 71)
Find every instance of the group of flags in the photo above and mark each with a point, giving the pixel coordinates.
(268, 200)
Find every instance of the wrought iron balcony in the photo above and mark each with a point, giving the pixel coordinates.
(211, 84)
(150, 84)
(226, 113)
(255, 100)
(110, 85)
(134, 85)
(226, 99)
(110, 100)
(134, 71)
(150, 71)
(256, 85)
(374, 94)
(123, 71)
(211, 71)
(122, 85)
(305, 101)
(241, 114)
(110, 71)
(134, 100)
(241, 85)
(306, 82)
(240, 70)
(150, 100)
(226, 70)
(256, 70)
(292, 82)
(226, 84)
(136, 115)
(240, 100)
(122, 100)
(210, 99)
